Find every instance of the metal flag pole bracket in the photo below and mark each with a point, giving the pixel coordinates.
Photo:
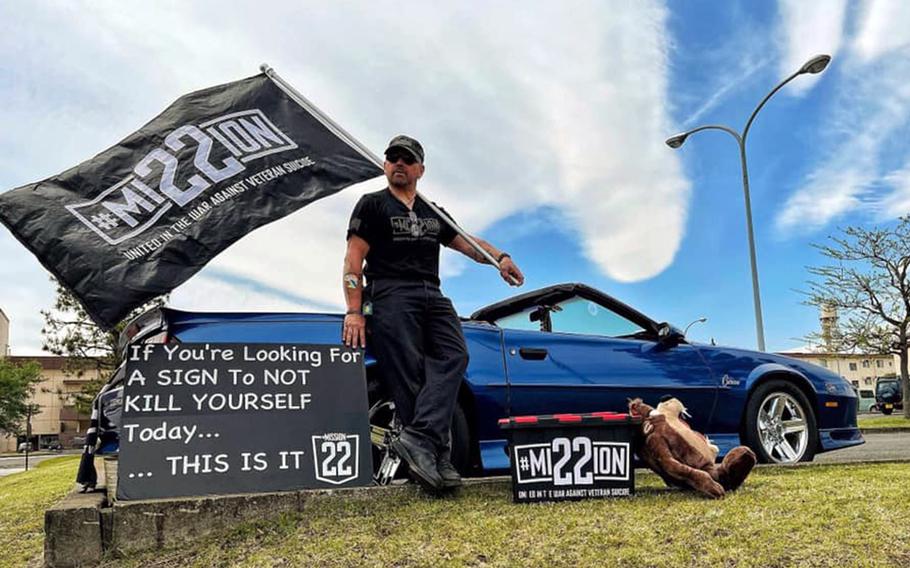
(365, 152)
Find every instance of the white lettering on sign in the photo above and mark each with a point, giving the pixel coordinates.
(198, 463)
(150, 403)
(569, 462)
(180, 170)
(183, 434)
(216, 402)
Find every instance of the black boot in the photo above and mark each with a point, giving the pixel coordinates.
(421, 461)
(450, 476)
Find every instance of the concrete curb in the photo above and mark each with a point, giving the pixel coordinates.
(884, 430)
(72, 531)
(82, 529)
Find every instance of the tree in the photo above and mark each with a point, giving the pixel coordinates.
(17, 384)
(69, 332)
(868, 285)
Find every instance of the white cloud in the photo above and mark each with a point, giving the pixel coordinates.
(828, 194)
(868, 118)
(897, 201)
(554, 105)
(808, 29)
(209, 293)
(884, 27)
(729, 83)
(737, 61)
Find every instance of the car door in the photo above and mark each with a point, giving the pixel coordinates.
(594, 359)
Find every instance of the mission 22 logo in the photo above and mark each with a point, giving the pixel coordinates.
(576, 461)
(336, 457)
(160, 181)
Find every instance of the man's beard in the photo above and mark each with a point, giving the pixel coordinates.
(398, 181)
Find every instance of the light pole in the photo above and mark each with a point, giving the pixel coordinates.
(28, 433)
(815, 65)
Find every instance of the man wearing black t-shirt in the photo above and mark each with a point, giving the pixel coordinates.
(414, 331)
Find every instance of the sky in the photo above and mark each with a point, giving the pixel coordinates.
(544, 126)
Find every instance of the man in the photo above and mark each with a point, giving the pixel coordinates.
(414, 331)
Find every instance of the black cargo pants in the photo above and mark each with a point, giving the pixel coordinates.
(420, 351)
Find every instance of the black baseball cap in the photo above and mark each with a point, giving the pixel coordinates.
(407, 143)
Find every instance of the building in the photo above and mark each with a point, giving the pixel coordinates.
(4, 334)
(57, 421)
(862, 370)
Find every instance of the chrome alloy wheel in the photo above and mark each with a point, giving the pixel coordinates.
(782, 428)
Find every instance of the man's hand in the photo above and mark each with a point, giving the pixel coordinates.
(508, 268)
(354, 331)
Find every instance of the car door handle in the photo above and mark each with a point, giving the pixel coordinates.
(533, 353)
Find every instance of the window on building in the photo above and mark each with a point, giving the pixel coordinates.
(879, 363)
(852, 366)
(823, 363)
(868, 380)
(890, 363)
(865, 363)
(855, 383)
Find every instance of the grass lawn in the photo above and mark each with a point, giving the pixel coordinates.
(23, 499)
(838, 515)
(893, 421)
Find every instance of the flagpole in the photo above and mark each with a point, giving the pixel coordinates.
(365, 152)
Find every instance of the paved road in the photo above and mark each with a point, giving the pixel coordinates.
(878, 446)
(14, 464)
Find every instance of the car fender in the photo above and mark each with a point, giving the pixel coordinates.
(768, 371)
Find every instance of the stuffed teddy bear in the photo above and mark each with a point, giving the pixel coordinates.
(683, 457)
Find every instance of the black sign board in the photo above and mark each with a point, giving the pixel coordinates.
(566, 457)
(204, 419)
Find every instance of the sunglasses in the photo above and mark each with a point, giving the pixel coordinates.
(408, 159)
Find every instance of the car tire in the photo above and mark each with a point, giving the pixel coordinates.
(887, 410)
(780, 424)
(461, 441)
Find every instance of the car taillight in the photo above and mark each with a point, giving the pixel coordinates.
(130, 332)
(160, 337)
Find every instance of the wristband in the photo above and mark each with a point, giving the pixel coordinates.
(503, 255)
(351, 312)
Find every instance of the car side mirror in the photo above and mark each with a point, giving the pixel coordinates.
(668, 336)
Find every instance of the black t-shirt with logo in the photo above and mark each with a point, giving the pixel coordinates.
(404, 243)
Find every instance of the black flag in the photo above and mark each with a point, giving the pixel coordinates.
(139, 219)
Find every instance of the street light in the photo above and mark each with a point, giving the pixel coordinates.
(813, 66)
(699, 320)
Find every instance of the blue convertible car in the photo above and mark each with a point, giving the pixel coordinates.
(567, 348)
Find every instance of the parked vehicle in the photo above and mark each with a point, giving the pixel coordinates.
(567, 348)
(866, 400)
(25, 447)
(888, 396)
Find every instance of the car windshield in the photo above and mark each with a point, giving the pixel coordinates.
(579, 315)
(576, 315)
